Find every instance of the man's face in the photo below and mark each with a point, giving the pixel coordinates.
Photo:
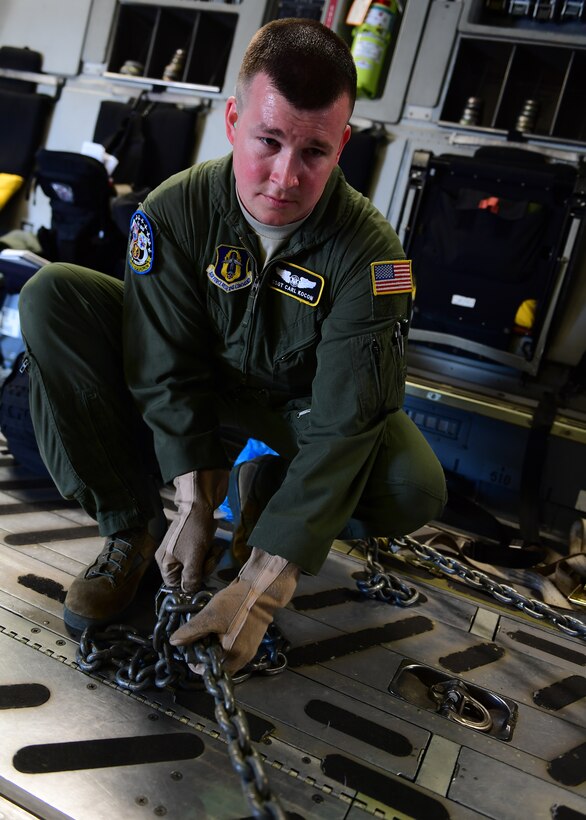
(283, 156)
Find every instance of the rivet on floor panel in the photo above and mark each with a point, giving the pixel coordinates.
(160, 811)
(141, 801)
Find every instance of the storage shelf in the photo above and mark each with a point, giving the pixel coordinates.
(486, 20)
(505, 80)
(149, 35)
(193, 88)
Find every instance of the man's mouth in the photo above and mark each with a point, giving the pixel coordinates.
(278, 202)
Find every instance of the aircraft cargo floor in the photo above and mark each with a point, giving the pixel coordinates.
(348, 730)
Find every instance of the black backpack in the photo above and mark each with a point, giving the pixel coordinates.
(82, 229)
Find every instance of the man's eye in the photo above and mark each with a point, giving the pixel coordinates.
(270, 142)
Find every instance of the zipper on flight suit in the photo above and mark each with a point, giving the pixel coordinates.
(376, 354)
(398, 345)
(249, 312)
(247, 320)
(251, 299)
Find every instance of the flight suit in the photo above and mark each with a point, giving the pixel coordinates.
(306, 353)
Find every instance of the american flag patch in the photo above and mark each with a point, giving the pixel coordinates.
(391, 277)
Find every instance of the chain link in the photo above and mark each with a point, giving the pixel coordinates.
(383, 585)
(538, 610)
(145, 662)
(232, 722)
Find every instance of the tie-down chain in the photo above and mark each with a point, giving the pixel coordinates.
(387, 587)
(143, 662)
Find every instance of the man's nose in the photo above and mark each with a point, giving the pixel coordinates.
(285, 172)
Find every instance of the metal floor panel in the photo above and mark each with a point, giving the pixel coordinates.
(346, 731)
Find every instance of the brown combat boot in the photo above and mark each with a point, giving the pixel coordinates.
(102, 591)
(252, 484)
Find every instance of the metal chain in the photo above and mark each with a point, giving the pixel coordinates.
(232, 722)
(143, 662)
(270, 658)
(501, 592)
(383, 585)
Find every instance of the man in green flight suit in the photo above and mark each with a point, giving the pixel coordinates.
(262, 293)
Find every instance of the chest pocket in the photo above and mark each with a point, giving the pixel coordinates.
(293, 334)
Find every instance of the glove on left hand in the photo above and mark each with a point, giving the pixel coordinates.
(185, 555)
(241, 612)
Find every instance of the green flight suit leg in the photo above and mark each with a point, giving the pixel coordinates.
(89, 433)
(406, 487)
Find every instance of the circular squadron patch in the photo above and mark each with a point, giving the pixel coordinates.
(140, 243)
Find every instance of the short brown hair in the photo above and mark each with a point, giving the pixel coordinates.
(306, 62)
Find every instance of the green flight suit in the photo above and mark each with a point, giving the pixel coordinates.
(306, 354)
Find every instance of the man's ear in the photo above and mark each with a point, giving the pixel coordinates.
(345, 137)
(230, 118)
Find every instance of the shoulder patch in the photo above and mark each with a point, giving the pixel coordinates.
(300, 283)
(141, 243)
(391, 277)
(231, 269)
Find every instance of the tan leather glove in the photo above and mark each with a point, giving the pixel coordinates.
(241, 612)
(185, 552)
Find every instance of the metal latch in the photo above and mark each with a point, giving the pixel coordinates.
(464, 703)
(456, 703)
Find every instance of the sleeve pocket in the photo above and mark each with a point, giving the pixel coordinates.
(379, 370)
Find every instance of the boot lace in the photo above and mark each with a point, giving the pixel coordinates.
(110, 561)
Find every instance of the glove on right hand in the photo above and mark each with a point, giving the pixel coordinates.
(241, 612)
(185, 552)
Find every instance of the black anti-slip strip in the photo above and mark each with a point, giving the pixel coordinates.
(26, 484)
(392, 792)
(566, 813)
(23, 695)
(359, 728)
(97, 754)
(342, 645)
(561, 694)
(571, 655)
(570, 768)
(22, 507)
(290, 815)
(329, 597)
(44, 586)
(202, 704)
(479, 655)
(20, 539)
